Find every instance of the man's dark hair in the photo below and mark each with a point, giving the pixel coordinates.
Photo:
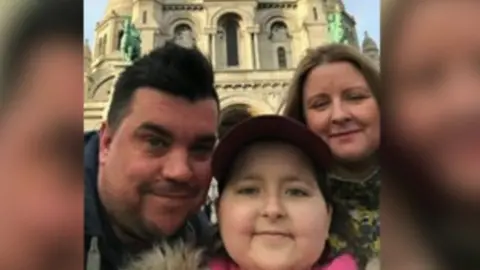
(40, 20)
(172, 69)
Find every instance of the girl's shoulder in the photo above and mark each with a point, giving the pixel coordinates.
(342, 262)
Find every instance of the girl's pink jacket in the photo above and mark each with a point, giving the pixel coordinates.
(344, 262)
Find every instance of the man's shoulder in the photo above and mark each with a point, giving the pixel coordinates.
(90, 163)
(90, 154)
(89, 136)
(203, 228)
(201, 221)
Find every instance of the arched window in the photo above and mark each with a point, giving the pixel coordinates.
(280, 45)
(231, 32)
(119, 40)
(279, 32)
(98, 47)
(228, 34)
(227, 41)
(104, 45)
(281, 57)
(144, 17)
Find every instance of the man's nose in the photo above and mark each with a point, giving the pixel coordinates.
(177, 166)
(273, 207)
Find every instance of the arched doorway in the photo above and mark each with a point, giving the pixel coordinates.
(231, 116)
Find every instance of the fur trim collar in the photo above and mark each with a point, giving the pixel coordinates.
(178, 256)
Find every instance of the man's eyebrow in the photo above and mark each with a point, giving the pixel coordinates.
(155, 128)
(208, 138)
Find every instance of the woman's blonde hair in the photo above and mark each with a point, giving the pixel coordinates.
(327, 54)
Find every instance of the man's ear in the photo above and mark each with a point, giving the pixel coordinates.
(105, 140)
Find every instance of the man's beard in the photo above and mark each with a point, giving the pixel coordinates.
(131, 228)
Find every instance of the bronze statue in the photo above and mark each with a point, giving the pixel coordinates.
(131, 42)
(336, 25)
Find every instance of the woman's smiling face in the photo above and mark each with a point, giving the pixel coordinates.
(341, 109)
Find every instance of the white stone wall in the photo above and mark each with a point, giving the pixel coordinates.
(256, 82)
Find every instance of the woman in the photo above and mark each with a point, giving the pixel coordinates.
(334, 92)
(430, 66)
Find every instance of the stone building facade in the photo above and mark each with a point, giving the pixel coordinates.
(254, 46)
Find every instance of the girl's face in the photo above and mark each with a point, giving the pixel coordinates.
(340, 108)
(272, 214)
(435, 94)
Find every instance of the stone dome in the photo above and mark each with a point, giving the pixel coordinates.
(369, 44)
(120, 7)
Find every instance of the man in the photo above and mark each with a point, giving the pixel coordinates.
(147, 171)
(41, 138)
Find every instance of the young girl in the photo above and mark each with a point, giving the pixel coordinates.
(274, 208)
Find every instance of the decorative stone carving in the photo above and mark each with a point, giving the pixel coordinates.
(275, 98)
(184, 36)
(279, 32)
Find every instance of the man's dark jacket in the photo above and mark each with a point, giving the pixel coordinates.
(103, 250)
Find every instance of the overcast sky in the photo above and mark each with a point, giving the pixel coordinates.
(366, 13)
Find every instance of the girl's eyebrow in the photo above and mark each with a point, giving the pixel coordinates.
(284, 178)
(245, 177)
(296, 179)
(252, 177)
(287, 178)
(290, 178)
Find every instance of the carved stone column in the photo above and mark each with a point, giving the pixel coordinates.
(246, 54)
(213, 52)
(253, 35)
(256, 50)
(212, 40)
